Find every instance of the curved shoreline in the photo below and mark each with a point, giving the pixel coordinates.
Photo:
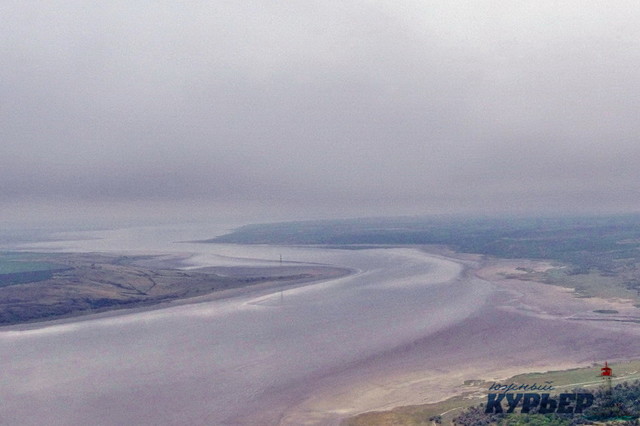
(269, 279)
(217, 360)
(534, 302)
(410, 327)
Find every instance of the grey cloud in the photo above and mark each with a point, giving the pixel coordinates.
(304, 107)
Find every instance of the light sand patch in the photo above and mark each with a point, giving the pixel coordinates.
(499, 269)
(534, 297)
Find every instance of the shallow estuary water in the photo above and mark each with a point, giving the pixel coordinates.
(261, 358)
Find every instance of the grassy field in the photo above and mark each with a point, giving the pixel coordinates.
(590, 284)
(476, 392)
(39, 287)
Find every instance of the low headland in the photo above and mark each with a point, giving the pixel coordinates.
(37, 287)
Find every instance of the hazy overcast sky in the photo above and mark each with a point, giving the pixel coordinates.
(294, 109)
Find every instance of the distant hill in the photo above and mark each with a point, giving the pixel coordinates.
(585, 242)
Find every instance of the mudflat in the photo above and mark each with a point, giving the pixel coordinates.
(528, 327)
(407, 328)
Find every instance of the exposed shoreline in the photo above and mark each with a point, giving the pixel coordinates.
(239, 280)
(240, 346)
(525, 327)
(544, 303)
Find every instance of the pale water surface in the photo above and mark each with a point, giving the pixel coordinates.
(243, 360)
(405, 327)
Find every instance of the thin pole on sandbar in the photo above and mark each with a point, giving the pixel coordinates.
(281, 291)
